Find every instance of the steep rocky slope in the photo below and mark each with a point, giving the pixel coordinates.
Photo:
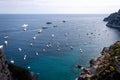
(4, 71)
(106, 66)
(11, 71)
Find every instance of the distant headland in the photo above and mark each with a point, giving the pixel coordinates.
(113, 20)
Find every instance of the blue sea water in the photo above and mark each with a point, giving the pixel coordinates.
(54, 64)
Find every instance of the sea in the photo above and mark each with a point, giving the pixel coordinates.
(60, 47)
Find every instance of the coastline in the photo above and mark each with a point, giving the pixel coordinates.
(113, 20)
(106, 65)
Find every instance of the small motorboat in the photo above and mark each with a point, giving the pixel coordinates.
(28, 67)
(48, 22)
(6, 42)
(71, 47)
(34, 37)
(53, 35)
(37, 54)
(40, 30)
(31, 44)
(47, 46)
(81, 50)
(12, 61)
(25, 25)
(6, 36)
(1, 46)
(44, 27)
(25, 57)
(19, 49)
(63, 21)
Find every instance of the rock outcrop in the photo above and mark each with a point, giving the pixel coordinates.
(4, 71)
(10, 71)
(106, 66)
(113, 20)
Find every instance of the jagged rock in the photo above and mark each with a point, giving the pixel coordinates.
(4, 71)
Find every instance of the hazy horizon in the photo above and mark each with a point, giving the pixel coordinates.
(59, 6)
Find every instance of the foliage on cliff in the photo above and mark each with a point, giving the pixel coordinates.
(106, 66)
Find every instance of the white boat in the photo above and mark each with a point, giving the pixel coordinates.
(31, 44)
(19, 49)
(81, 50)
(25, 25)
(34, 37)
(28, 67)
(6, 36)
(37, 54)
(39, 30)
(53, 35)
(25, 57)
(1, 46)
(47, 45)
(6, 42)
(12, 61)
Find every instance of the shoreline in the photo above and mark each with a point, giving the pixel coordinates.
(102, 63)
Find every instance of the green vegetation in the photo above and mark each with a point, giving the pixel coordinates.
(109, 65)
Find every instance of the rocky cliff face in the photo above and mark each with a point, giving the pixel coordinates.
(4, 71)
(11, 71)
(106, 66)
(113, 20)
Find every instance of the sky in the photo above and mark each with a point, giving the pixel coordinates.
(59, 6)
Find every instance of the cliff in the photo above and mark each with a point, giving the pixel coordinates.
(4, 71)
(106, 66)
(113, 20)
(11, 71)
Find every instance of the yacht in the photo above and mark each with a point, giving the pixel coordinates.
(25, 25)
(6, 36)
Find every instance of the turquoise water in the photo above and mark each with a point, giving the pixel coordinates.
(53, 64)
